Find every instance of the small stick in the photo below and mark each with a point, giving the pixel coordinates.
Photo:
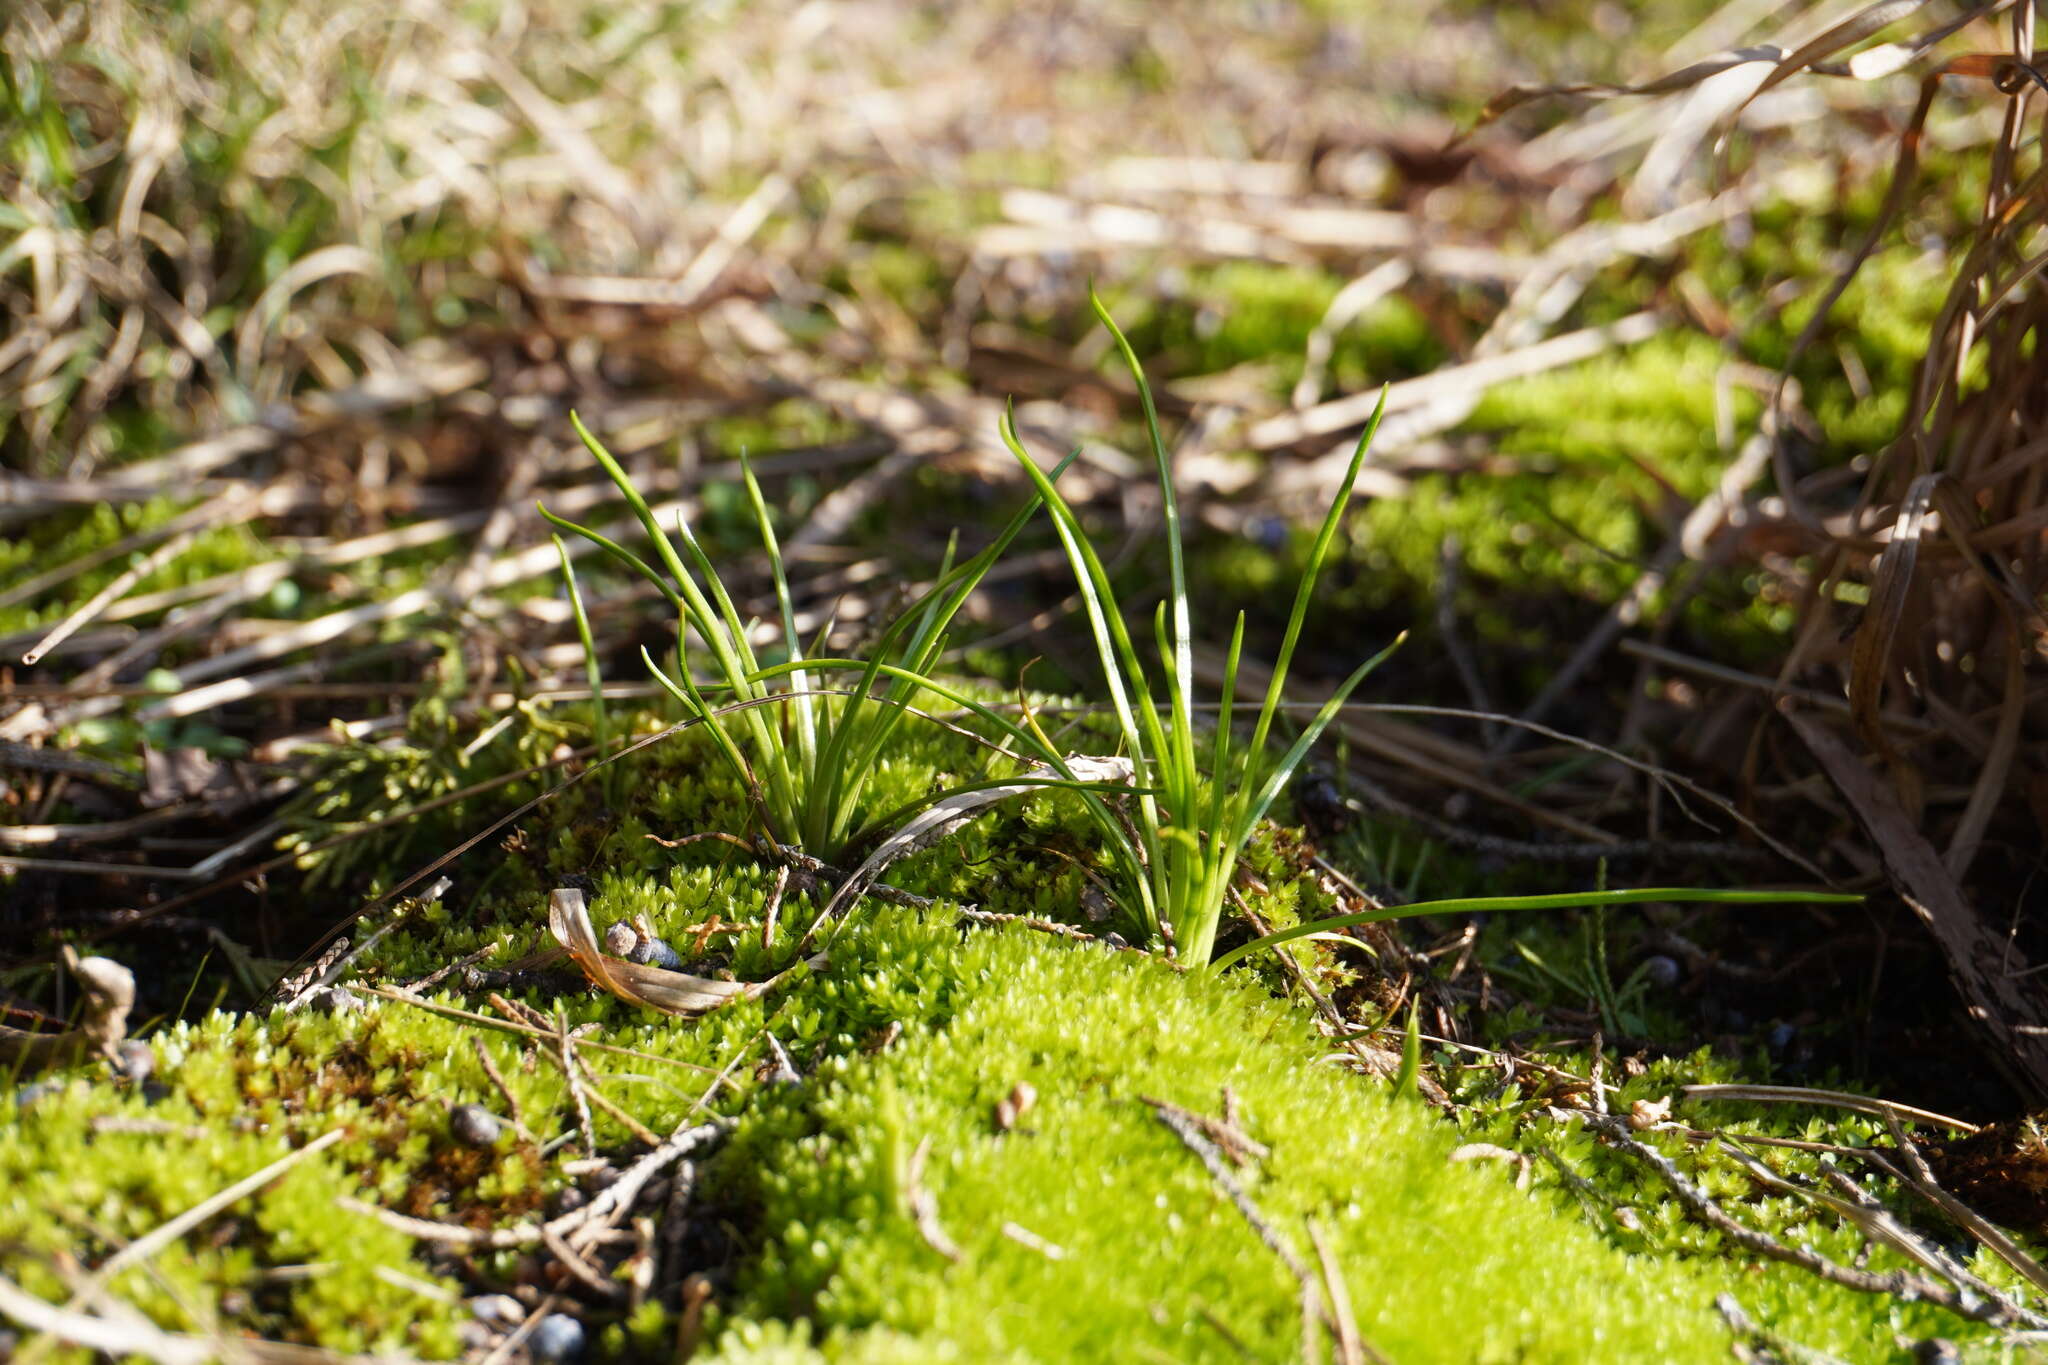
(1352, 1348)
(1025, 1237)
(618, 1196)
(773, 910)
(579, 1269)
(924, 1207)
(1192, 1137)
(569, 1073)
(517, 1337)
(147, 1245)
(483, 1056)
(135, 573)
(1239, 1146)
(1700, 1205)
(518, 1027)
(1841, 1099)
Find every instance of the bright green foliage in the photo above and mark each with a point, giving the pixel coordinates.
(1254, 313)
(364, 783)
(1175, 856)
(1444, 1261)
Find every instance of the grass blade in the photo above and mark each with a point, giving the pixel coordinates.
(1564, 901)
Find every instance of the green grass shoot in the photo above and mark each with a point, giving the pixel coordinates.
(1186, 834)
(1471, 905)
(804, 762)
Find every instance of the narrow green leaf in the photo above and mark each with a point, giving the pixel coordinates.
(1564, 901)
(1411, 1049)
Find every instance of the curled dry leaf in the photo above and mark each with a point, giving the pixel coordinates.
(1646, 1114)
(655, 987)
(1012, 1108)
(109, 995)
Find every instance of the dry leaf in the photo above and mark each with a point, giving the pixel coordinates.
(109, 995)
(658, 989)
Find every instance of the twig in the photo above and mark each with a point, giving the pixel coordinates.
(1919, 1178)
(490, 1066)
(1195, 1140)
(924, 1206)
(517, 1336)
(616, 1197)
(525, 1030)
(1700, 1205)
(134, 1335)
(1352, 1347)
(572, 1074)
(572, 1261)
(1239, 1146)
(772, 911)
(1743, 1325)
(1025, 1237)
(334, 966)
(1840, 1099)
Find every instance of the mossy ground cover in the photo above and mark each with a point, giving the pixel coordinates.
(1582, 470)
(910, 1037)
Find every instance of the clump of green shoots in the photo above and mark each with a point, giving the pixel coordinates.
(1176, 850)
(802, 753)
(1178, 847)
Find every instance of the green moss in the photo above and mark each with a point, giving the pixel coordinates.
(1150, 1245)
(60, 538)
(1444, 1261)
(1216, 317)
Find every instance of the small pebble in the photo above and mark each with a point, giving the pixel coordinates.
(29, 1094)
(653, 952)
(500, 1309)
(556, 1337)
(138, 1061)
(474, 1125)
(1661, 971)
(335, 1000)
(621, 939)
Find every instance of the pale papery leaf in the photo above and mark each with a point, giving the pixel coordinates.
(657, 988)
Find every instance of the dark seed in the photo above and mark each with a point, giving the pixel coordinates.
(556, 1338)
(1661, 971)
(474, 1126)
